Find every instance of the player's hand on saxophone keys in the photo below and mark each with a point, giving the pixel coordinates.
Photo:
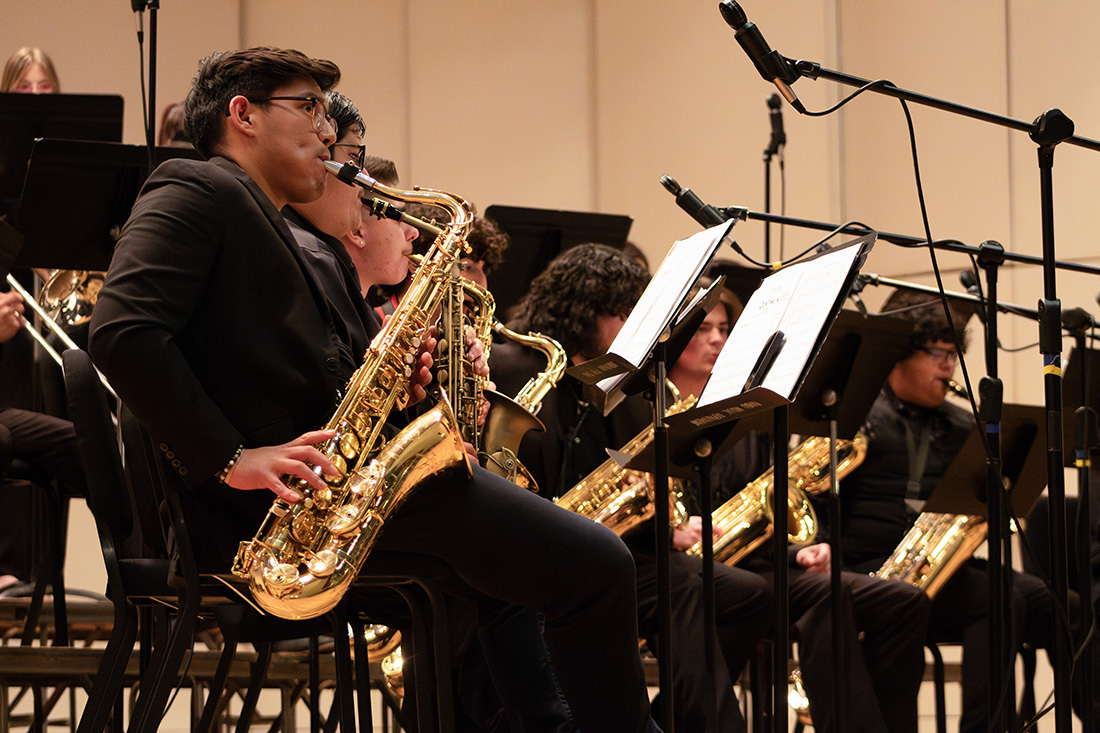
(264, 468)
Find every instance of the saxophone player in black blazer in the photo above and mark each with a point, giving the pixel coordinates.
(213, 332)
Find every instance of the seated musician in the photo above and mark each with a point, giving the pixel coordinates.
(233, 375)
(883, 672)
(349, 251)
(914, 434)
(582, 300)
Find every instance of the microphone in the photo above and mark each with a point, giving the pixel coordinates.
(705, 214)
(772, 66)
(775, 114)
(1077, 320)
(969, 280)
(138, 6)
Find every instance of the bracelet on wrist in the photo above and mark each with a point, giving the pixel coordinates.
(223, 475)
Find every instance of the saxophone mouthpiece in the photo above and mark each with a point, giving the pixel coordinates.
(956, 389)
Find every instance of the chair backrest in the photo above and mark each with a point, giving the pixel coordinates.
(108, 493)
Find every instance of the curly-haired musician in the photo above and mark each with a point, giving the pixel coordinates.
(582, 300)
(213, 331)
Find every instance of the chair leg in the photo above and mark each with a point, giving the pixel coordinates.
(362, 676)
(940, 682)
(345, 686)
(255, 684)
(107, 686)
(217, 686)
(164, 670)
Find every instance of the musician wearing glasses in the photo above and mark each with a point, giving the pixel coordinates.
(882, 624)
(914, 434)
(217, 336)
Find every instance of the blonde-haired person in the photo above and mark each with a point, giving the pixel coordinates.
(30, 71)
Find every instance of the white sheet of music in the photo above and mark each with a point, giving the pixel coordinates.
(677, 274)
(797, 301)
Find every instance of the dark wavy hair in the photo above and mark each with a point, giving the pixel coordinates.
(345, 114)
(925, 311)
(254, 73)
(580, 285)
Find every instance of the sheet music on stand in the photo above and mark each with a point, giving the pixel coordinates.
(774, 342)
(660, 306)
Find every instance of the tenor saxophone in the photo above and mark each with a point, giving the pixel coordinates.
(306, 555)
(745, 521)
(622, 498)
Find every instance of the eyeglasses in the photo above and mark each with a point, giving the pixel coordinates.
(359, 157)
(314, 107)
(941, 355)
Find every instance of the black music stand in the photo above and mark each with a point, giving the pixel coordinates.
(26, 117)
(76, 198)
(538, 236)
(791, 308)
(10, 243)
(963, 488)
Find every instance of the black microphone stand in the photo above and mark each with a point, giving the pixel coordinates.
(150, 119)
(1078, 323)
(1049, 130)
(990, 258)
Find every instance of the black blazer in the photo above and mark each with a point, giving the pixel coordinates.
(214, 334)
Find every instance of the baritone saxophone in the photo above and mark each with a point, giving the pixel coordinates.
(937, 543)
(306, 555)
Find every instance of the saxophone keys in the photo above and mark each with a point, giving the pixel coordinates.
(341, 467)
(349, 445)
(304, 527)
(323, 564)
(322, 498)
(344, 520)
(281, 575)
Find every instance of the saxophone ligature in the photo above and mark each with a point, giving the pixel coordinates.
(305, 555)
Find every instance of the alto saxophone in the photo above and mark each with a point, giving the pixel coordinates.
(509, 420)
(306, 555)
(745, 521)
(937, 544)
(621, 498)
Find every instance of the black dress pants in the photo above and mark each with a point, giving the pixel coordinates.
(879, 676)
(511, 545)
(744, 612)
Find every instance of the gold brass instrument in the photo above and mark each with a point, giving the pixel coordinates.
(509, 420)
(934, 548)
(937, 544)
(45, 318)
(305, 555)
(745, 521)
(497, 442)
(69, 296)
(620, 498)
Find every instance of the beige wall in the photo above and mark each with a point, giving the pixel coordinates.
(584, 104)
